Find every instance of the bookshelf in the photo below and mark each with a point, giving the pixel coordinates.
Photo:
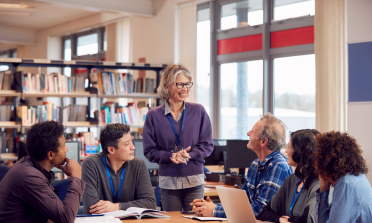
(89, 92)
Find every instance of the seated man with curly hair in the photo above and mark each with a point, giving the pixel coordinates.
(25, 192)
(340, 163)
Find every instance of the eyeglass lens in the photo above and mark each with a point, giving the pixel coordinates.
(180, 85)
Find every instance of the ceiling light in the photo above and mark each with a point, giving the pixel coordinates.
(15, 6)
(15, 13)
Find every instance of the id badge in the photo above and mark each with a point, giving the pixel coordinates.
(177, 148)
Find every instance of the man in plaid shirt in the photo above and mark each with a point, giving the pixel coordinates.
(265, 175)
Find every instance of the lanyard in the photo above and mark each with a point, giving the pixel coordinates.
(110, 181)
(293, 199)
(174, 128)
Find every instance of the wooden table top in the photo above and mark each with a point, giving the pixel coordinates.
(210, 190)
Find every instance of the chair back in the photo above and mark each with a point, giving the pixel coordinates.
(61, 188)
(3, 170)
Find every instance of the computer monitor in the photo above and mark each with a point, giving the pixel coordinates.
(138, 152)
(73, 153)
(216, 157)
(238, 155)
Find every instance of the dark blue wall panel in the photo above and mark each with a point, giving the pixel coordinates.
(360, 72)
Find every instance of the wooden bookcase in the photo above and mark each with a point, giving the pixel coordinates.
(17, 62)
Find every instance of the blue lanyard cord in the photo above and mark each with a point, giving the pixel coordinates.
(174, 128)
(116, 197)
(295, 199)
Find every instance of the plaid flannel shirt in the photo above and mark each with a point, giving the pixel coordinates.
(273, 171)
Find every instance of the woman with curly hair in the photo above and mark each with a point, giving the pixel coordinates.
(295, 199)
(340, 163)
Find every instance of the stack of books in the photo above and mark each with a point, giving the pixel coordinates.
(5, 113)
(6, 80)
(130, 114)
(90, 144)
(41, 113)
(48, 111)
(120, 83)
(53, 83)
(76, 113)
(6, 143)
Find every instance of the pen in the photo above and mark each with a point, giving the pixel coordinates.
(73, 157)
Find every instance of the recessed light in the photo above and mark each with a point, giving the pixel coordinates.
(15, 6)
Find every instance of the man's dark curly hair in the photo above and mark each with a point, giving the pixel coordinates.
(304, 146)
(42, 138)
(111, 134)
(337, 155)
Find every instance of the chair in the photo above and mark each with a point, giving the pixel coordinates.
(3, 170)
(61, 191)
(60, 188)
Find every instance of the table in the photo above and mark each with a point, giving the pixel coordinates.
(8, 156)
(212, 192)
(175, 216)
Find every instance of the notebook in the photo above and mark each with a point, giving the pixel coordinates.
(236, 205)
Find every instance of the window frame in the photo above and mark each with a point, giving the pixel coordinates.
(267, 54)
(99, 56)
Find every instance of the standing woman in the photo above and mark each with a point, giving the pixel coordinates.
(178, 135)
(295, 199)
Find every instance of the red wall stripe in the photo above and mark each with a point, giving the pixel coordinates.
(240, 44)
(292, 37)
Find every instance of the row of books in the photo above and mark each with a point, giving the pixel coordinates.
(6, 143)
(130, 114)
(5, 112)
(6, 80)
(53, 83)
(120, 83)
(49, 111)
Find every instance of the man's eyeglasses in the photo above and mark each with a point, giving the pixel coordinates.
(180, 85)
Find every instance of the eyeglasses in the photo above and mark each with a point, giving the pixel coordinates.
(180, 85)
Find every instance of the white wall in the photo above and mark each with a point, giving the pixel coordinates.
(359, 30)
(359, 19)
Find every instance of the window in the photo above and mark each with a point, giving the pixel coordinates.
(242, 13)
(241, 98)
(67, 56)
(203, 59)
(284, 9)
(256, 68)
(294, 79)
(105, 41)
(87, 44)
(12, 53)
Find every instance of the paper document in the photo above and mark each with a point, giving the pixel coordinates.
(204, 218)
(98, 219)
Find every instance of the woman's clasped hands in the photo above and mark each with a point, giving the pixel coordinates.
(181, 156)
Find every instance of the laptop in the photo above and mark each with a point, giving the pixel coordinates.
(236, 205)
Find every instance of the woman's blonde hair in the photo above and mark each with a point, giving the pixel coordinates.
(169, 76)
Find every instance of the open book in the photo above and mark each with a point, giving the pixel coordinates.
(136, 212)
(204, 218)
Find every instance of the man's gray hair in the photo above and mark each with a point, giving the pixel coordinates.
(274, 130)
(169, 76)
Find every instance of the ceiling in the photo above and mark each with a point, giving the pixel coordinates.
(47, 13)
(18, 28)
(43, 15)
